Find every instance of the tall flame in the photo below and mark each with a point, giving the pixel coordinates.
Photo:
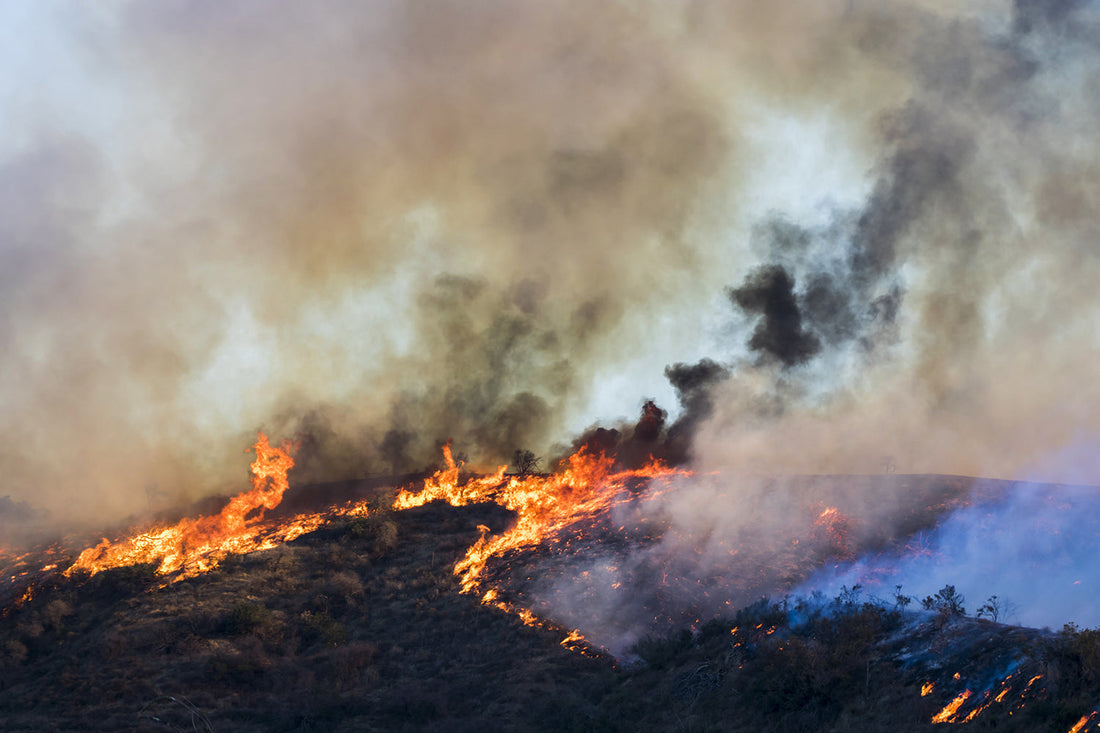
(194, 546)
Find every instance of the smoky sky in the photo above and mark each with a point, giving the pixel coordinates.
(376, 227)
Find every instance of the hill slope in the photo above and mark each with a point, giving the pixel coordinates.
(360, 626)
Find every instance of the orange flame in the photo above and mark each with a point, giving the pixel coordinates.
(545, 504)
(1085, 720)
(945, 715)
(584, 487)
(194, 546)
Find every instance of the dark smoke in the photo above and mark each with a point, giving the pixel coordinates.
(769, 293)
(693, 383)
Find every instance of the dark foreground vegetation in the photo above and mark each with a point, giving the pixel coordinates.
(360, 627)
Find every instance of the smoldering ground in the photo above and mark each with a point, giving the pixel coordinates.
(378, 227)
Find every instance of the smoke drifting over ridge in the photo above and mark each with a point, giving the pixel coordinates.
(380, 226)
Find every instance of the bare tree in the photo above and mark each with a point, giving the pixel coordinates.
(996, 608)
(524, 462)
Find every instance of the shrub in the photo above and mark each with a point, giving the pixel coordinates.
(1072, 658)
(659, 652)
(322, 627)
(377, 529)
(249, 618)
(54, 614)
(15, 652)
(347, 585)
(947, 602)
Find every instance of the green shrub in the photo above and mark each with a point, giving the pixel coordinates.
(249, 618)
(324, 628)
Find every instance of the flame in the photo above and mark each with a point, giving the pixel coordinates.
(1084, 721)
(194, 546)
(945, 715)
(952, 713)
(545, 504)
(444, 484)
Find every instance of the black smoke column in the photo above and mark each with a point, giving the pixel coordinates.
(769, 291)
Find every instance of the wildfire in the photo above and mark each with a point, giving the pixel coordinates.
(953, 712)
(194, 546)
(585, 487)
(946, 715)
(445, 484)
(545, 504)
(1084, 721)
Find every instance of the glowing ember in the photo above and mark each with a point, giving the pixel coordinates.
(926, 688)
(194, 546)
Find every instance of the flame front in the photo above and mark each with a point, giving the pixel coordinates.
(545, 504)
(194, 546)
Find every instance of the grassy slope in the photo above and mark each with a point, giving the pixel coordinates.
(360, 626)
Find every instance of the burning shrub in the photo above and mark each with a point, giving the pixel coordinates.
(524, 462)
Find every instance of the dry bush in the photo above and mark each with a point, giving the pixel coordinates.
(346, 585)
(54, 613)
(15, 652)
(351, 664)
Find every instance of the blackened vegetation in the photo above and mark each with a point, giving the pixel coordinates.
(779, 335)
(651, 423)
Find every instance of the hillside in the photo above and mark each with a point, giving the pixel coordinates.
(360, 626)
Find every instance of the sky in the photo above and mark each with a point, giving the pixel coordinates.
(377, 226)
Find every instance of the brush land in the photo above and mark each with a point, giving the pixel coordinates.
(359, 626)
